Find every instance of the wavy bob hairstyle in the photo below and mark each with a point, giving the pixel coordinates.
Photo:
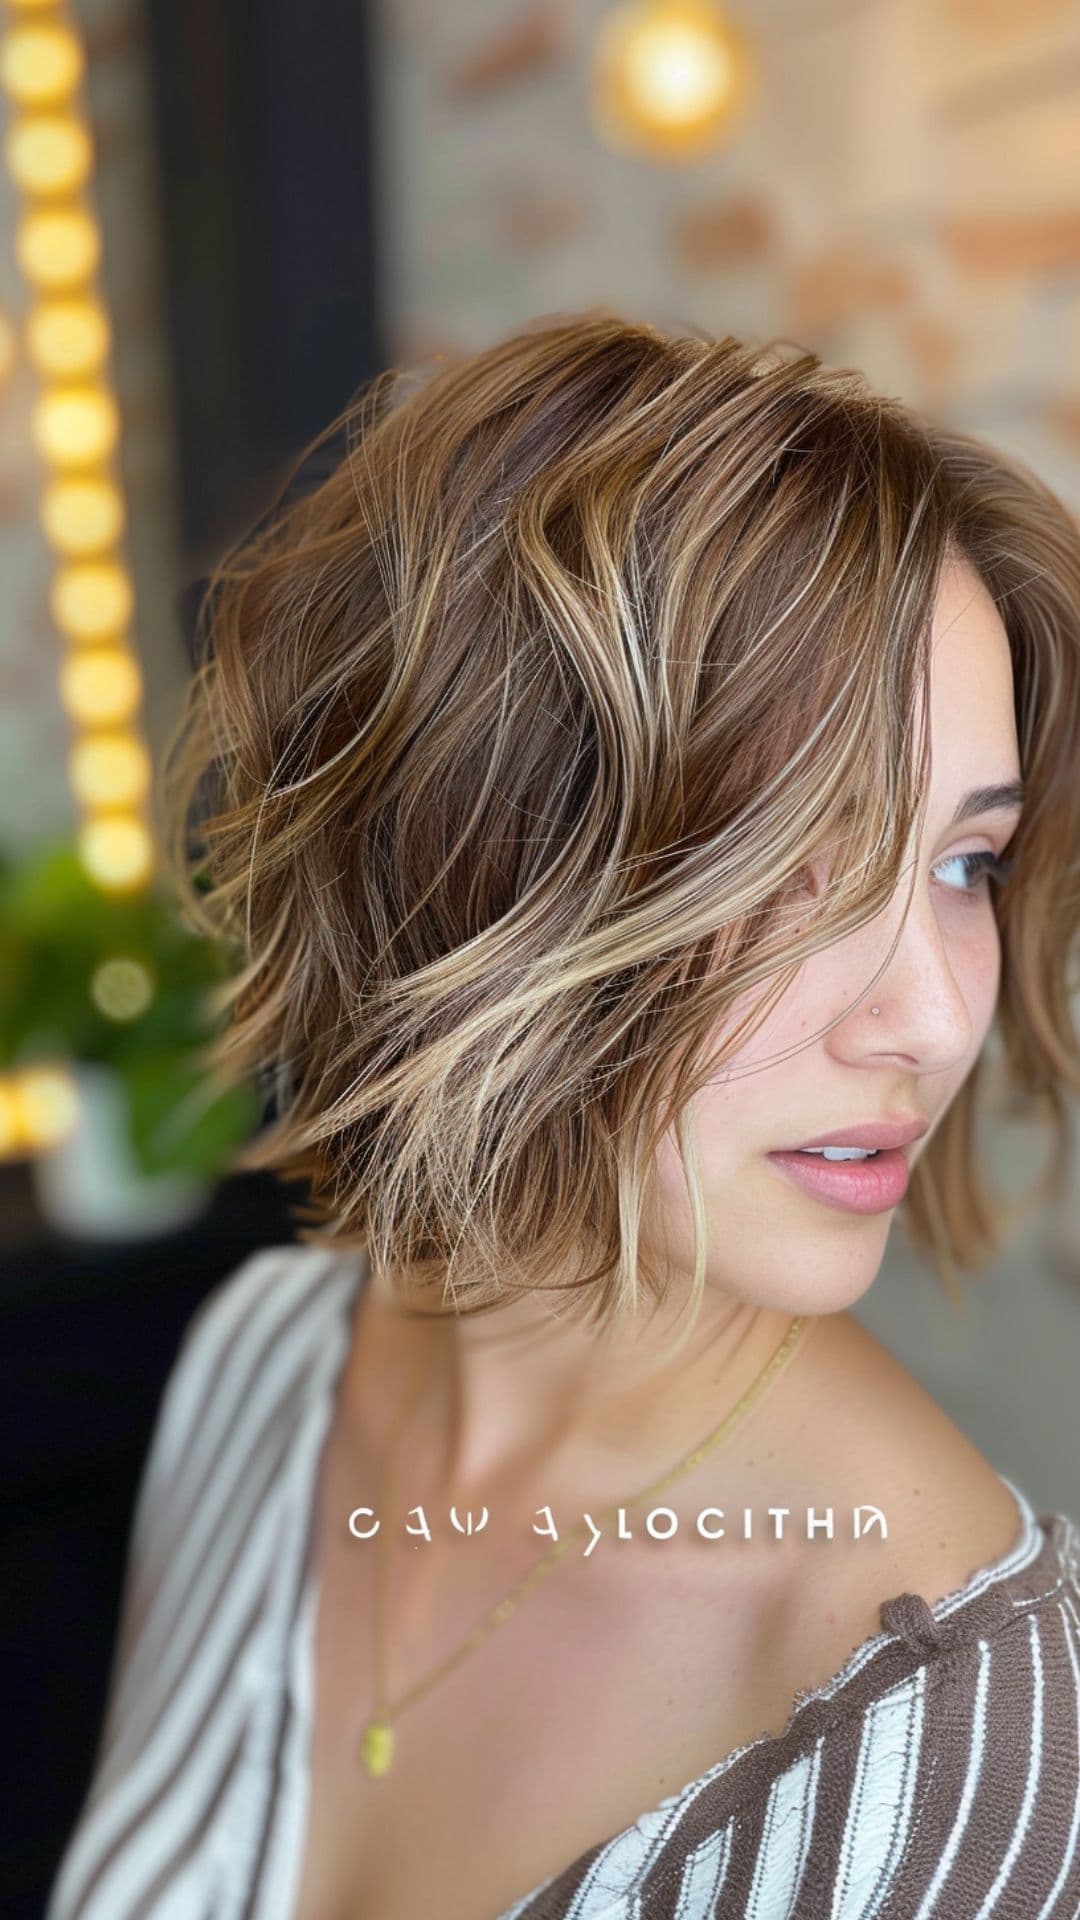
(509, 741)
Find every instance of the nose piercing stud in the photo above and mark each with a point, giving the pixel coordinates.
(875, 1009)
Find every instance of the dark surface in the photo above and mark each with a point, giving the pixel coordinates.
(266, 156)
(90, 1334)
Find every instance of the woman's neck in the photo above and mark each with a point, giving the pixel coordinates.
(521, 1400)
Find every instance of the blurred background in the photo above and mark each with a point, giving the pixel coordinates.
(216, 222)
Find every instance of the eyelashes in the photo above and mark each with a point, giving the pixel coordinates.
(975, 868)
(972, 867)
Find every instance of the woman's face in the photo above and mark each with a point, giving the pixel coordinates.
(796, 1232)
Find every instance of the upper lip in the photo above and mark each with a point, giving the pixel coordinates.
(874, 1133)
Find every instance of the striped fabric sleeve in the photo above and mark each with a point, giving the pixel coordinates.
(941, 1783)
(152, 1542)
(995, 1828)
(152, 1531)
(954, 1794)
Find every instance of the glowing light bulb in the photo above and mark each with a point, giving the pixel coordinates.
(80, 517)
(116, 851)
(58, 249)
(93, 601)
(67, 339)
(671, 77)
(48, 154)
(109, 770)
(48, 1105)
(40, 64)
(75, 426)
(100, 686)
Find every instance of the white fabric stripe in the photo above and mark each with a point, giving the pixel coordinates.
(206, 1685)
(270, 1305)
(287, 1838)
(704, 1873)
(519, 1906)
(203, 1557)
(879, 1809)
(183, 1898)
(971, 1781)
(252, 1302)
(211, 1327)
(618, 1866)
(152, 1837)
(294, 1649)
(207, 1333)
(164, 1644)
(1046, 1910)
(135, 1722)
(1031, 1783)
(788, 1824)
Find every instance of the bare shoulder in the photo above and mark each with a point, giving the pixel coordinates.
(866, 1433)
(875, 1433)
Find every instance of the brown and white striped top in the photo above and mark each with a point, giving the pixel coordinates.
(937, 1774)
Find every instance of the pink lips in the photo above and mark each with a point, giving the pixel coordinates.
(875, 1133)
(857, 1186)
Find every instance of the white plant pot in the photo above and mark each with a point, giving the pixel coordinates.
(89, 1185)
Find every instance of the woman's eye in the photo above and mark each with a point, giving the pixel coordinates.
(967, 870)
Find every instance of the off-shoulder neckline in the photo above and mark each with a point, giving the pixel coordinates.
(1024, 1549)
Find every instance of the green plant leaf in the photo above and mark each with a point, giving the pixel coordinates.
(181, 1119)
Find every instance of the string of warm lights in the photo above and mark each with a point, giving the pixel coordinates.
(48, 150)
(670, 78)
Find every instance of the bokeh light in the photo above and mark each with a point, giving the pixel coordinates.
(58, 248)
(669, 77)
(81, 517)
(109, 770)
(40, 64)
(46, 1104)
(75, 426)
(93, 601)
(48, 154)
(100, 686)
(67, 339)
(122, 988)
(117, 851)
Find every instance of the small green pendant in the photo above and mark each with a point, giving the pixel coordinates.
(377, 1746)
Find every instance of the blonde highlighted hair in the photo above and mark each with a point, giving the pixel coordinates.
(510, 739)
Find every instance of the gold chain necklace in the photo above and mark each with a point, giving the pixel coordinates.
(377, 1742)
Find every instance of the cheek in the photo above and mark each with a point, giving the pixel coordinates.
(975, 957)
(717, 1115)
(740, 1099)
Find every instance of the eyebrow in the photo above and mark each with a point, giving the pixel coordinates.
(1009, 793)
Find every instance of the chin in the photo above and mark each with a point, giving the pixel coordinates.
(823, 1272)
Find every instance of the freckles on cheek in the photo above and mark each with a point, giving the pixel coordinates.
(981, 978)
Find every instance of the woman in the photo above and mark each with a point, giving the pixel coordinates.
(646, 783)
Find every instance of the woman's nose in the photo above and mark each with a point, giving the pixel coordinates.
(924, 1019)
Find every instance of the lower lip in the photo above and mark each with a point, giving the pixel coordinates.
(855, 1186)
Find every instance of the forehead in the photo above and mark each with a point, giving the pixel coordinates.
(972, 709)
